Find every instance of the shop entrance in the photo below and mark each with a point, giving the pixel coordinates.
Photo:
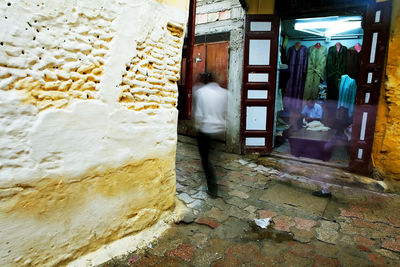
(324, 84)
(318, 66)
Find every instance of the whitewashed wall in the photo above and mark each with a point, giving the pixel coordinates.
(88, 123)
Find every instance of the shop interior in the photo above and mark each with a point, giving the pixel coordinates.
(318, 67)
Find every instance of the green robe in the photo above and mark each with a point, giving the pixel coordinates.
(315, 71)
(335, 68)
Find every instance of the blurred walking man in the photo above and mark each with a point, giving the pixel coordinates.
(210, 102)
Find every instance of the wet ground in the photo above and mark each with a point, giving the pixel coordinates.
(355, 227)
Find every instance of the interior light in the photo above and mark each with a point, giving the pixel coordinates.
(327, 27)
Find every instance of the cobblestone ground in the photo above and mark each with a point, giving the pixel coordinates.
(353, 228)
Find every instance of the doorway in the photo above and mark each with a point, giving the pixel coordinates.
(210, 54)
(318, 68)
(261, 77)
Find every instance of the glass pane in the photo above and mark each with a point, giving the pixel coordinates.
(378, 16)
(260, 26)
(373, 47)
(255, 141)
(360, 153)
(369, 80)
(363, 126)
(259, 52)
(258, 77)
(257, 94)
(367, 96)
(256, 118)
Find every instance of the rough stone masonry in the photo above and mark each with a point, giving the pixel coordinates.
(88, 112)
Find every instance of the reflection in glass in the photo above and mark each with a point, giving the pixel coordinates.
(378, 16)
(369, 80)
(363, 126)
(259, 51)
(260, 26)
(367, 96)
(256, 118)
(257, 94)
(258, 77)
(255, 141)
(373, 47)
(360, 153)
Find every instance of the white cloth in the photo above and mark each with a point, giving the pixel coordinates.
(316, 126)
(210, 103)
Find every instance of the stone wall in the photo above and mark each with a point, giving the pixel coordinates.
(88, 112)
(386, 150)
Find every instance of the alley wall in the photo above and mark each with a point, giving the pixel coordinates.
(88, 113)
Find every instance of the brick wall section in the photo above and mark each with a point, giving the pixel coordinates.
(215, 11)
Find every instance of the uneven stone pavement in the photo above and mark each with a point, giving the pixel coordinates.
(353, 228)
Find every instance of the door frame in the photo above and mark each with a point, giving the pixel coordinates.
(185, 90)
(271, 69)
(369, 86)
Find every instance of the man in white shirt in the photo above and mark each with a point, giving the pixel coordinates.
(210, 102)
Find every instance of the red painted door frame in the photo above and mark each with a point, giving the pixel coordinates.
(185, 87)
(376, 34)
(269, 86)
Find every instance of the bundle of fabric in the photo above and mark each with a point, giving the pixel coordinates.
(316, 126)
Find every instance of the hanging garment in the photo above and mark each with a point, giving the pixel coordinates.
(297, 61)
(353, 63)
(335, 68)
(284, 75)
(347, 94)
(279, 102)
(316, 65)
(284, 49)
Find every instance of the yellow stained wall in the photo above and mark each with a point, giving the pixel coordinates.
(261, 6)
(386, 150)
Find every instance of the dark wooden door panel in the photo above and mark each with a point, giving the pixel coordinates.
(217, 61)
(375, 43)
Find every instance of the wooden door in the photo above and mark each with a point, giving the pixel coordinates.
(374, 51)
(259, 82)
(217, 61)
(214, 58)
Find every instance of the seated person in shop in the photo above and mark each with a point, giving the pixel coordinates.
(311, 112)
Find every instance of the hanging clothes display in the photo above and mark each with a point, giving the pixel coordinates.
(353, 62)
(347, 94)
(335, 68)
(297, 61)
(316, 65)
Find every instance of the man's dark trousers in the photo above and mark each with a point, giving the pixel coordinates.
(204, 143)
